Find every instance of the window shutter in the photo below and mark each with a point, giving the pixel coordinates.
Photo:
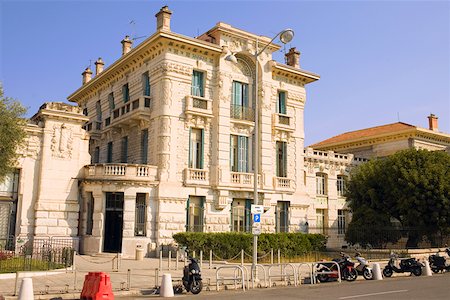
(282, 103)
(245, 95)
(190, 149)
(202, 150)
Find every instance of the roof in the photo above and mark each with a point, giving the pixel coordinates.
(365, 134)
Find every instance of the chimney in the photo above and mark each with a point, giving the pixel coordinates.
(293, 58)
(87, 75)
(126, 45)
(163, 19)
(99, 64)
(433, 122)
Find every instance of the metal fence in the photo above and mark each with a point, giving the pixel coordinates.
(36, 254)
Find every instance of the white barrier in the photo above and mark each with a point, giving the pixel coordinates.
(376, 270)
(166, 289)
(26, 289)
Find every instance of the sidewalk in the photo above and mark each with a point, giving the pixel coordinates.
(130, 279)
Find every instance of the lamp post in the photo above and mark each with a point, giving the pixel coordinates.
(285, 37)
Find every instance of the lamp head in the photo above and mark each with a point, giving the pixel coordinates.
(286, 36)
(231, 57)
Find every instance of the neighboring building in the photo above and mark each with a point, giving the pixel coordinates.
(387, 139)
(41, 198)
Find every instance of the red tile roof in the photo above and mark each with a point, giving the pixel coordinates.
(364, 134)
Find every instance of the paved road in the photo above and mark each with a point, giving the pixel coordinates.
(436, 287)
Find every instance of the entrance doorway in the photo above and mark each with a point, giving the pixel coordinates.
(112, 240)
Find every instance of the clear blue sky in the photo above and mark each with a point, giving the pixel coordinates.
(380, 61)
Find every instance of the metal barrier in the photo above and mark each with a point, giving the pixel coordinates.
(310, 273)
(317, 263)
(283, 274)
(234, 278)
(254, 272)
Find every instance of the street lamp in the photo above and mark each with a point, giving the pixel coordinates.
(285, 37)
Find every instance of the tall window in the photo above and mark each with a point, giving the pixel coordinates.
(111, 101)
(124, 150)
(98, 109)
(140, 215)
(341, 221)
(340, 185)
(281, 159)
(196, 148)
(146, 84)
(321, 184)
(109, 153)
(125, 93)
(197, 84)
(282, 216)
(241, 215)
(89, 214)
(239, 153)
(144, 146)
(240, 104)
(320, 220)
(281, 107)
(194, 214)
(96, 157)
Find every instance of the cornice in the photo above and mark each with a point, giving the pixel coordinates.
(140, 53)
(291, 72)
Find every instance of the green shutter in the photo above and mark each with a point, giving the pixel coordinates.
(282, 103)
(190, 150)
(202, 151)
(187, 214)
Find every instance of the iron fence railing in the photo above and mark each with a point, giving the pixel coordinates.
(36, 254)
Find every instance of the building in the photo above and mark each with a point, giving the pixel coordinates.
(41, 198)
(387, 139)
(161, 142)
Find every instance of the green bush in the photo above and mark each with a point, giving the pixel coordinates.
(229, 244)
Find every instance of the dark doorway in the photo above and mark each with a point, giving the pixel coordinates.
(112, 240)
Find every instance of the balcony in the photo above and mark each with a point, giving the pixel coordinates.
(283, 122)
(121, 172)
(131, 112)
(283, 184)
(94, 128)
(196, 177)
(196, 105)
(243, 113)
(244, 180)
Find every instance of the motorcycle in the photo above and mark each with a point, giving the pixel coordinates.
(438, 263)
(348, 272)
(405, 265)
(192, 278)
(363, 267)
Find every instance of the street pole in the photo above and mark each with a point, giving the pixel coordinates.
(256, 160)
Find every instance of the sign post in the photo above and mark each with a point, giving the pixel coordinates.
(257, 211)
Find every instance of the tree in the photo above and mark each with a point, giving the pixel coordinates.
(409, 190)
(12, 132)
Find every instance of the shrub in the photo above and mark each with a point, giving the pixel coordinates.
(229, 244)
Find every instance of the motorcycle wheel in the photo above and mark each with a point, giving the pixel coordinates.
(435, 269)
(322, 277)
(196, 286)
(350, 274)
(417, 271)
(387, 272)
(367, 274)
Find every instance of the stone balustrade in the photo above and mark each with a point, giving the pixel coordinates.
(121, 172)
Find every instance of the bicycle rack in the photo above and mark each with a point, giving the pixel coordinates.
(315, 273)
(283, 273)
(310, 273)
(254, 271)
(234, 278)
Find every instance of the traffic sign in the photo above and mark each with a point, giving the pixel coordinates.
(257, 209)
(256, 230)
(257, 218)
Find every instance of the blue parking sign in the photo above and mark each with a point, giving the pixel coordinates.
(257, 218)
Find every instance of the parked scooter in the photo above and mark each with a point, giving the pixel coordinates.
(405, 265)
(348, 272)
(363, 267)
(192, 278)
(438, 263)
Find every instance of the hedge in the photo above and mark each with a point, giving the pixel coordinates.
(229, 244)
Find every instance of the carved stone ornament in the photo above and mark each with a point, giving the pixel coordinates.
(61, 143)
